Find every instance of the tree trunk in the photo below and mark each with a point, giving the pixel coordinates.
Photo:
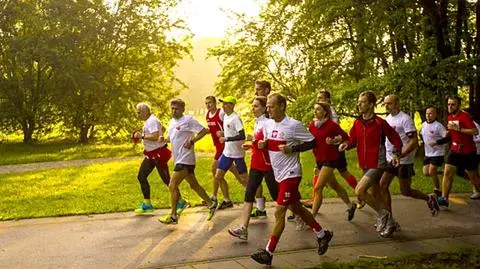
(84, 134)
(28, 126)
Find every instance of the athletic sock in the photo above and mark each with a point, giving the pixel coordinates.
(261, 203)
(272, 244)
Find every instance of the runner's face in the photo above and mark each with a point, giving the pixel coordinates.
(452, 105)
(321, 97)
(391, 105)
(319, 112)
(363, 105)
(142, 114)
(228, 108)
(430, 114)
(177, 111)
(210, 104)
(258, 109)
(260, 91)
(273, 108)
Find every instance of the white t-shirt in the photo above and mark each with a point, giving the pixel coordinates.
(476, 138)
(433, 132)
(334, 115)
(181, 131)
(403, 124)
(232, 125)
(290, 132)
(152, 125)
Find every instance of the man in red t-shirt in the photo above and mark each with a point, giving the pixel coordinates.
(214, 119)
(461, 131)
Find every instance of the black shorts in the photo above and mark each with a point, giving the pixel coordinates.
(180, 167)
(342, 162)
(255, 178)
(402, 171)
(467, 162)
(331, 164)
(435, 161)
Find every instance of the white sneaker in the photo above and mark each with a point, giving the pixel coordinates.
(475, 195)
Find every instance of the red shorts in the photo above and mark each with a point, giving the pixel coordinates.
(162, 154)
(288, 191)
(218, 151)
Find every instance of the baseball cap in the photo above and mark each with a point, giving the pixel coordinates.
(228, 99)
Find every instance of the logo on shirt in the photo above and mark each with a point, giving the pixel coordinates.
(274, 134)
(178, 128)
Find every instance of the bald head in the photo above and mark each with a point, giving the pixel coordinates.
(431, 114)
(392, 104)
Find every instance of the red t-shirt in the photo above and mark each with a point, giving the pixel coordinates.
(322, 151)
(260, 158)
(461, 143)
(215, 124)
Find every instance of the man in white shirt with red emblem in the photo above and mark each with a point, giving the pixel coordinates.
(183, 132)
(285, 138)
(403, 124)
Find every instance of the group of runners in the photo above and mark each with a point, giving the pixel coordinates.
(385, 150)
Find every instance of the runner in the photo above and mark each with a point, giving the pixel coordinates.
(368, 136)
(260, 168)
(324, 96)
(325, 131)
(156, 155)
(183, 132)
(463, 152)
(431, 131)
(214, 119)
(233, 136)
(285, 138)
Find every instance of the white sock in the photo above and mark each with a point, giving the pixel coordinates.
(261, 203)
(213, 197)
(320, 233)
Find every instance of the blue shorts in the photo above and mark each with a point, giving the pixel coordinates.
(224, 163)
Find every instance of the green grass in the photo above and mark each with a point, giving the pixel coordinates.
(19, 153)
(461, 259)
(113, 187)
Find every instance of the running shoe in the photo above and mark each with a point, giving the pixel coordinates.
(168, 219)
(144, 208)
(224, 205)
(211, 211)
(390, 227)
(443, 202)
(352, 207)
(433, 205)
(323, 242)
(239, 232)
(360, 204)
(382, 221)
(258, 213)
(262, 256)
(475, 195)
(291, 216)
(182, 204)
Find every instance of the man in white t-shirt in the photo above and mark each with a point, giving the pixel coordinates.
(183, 132)
(405, 127)
(285, 138)
(156, 155)
(431, 131)
(233, 136)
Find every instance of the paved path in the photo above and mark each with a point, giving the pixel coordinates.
(18, 168)
(124, 240)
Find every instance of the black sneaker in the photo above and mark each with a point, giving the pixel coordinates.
(323, 242)
(258, 213)
(291, 217)
(262, 256)
(351, 211)
(224, 205)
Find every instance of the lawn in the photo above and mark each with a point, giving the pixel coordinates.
(458, 259)
(113, 187)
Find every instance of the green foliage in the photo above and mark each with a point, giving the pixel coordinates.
(86, 63)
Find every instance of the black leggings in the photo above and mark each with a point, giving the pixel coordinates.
(146, 168)
(255, 178)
